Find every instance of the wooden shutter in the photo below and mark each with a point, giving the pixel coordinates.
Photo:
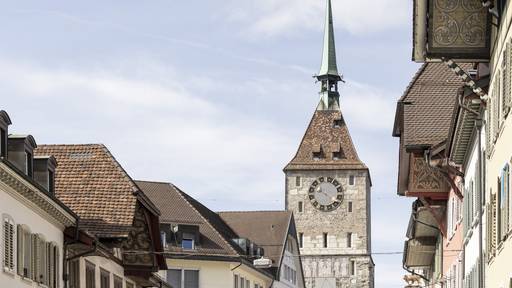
(20, 247)
(488, 123)
(57, 267)
(494, 224)
(9, 234)
(35, 257)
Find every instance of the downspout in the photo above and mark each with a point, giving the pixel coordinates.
(478, 124)
(65, 260)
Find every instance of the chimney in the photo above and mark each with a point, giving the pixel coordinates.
(44, 172)
(5, 121)
(20, 152)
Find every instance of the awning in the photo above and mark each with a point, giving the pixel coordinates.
(419, 252)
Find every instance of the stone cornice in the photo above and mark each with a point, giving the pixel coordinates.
(15, 185)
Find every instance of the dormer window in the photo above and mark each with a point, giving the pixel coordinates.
(318, 153)
(187, 242)
(3, 142)
(51, 181)
(29, 161)
(337, 123)
(337, 152)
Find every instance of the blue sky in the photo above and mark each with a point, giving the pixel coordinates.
(213, 96)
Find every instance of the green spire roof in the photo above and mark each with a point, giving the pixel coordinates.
(329, 51)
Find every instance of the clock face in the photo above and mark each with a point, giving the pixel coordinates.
(325, 194)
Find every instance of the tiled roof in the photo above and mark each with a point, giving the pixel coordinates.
(177, 207)
(268, 229)
(90, 181)
(327, 133)
(425, 110)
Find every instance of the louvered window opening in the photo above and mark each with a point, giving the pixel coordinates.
(29, 255)
(8, 240)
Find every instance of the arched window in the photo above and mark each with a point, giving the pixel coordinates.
(9, 234)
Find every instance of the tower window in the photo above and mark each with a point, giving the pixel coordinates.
(318, 155)
(350, 206)
(301, 206)
(297, 181)
(337, 123)
(352, 268)
(351, 180)
(338, 155)
(325, 240)
(301, 240)
(349, 240)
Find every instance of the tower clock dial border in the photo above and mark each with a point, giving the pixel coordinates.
(325, 194)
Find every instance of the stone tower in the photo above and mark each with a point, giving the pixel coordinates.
(328, 189)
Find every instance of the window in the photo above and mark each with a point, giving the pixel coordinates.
(236, 279)
(337, 155)
(29, 163)
(301, 240)
(297, 181)
(118, 282)
(325, 240)
(163, 238)
(3, 143)
(180, 278)
(351, 180)
(188, 241)
(8, 238)
(247, 283)
(51, 181)
(350, 206)
(242, 282)
(104, 279)
(337, 123)
(90, 275)
(129, 285)
(74, 274)
(352, 267)
(349, 240)
(301, 204)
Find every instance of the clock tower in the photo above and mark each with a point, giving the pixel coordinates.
(328, 189)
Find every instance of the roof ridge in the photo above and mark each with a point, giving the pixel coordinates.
(73, 144)
(182, 193)
(151, 181)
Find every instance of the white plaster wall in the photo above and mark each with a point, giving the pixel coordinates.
(472, 241)
(23, 212)
(218, 274)
(102, 263)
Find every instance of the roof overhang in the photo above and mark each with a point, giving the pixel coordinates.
(464, 128)
(451, 30)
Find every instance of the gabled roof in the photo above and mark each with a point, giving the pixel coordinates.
(177, 207)
(425, 110)
(268, 229)
(91, 182)
(327, 133)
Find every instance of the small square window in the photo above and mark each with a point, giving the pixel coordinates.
(337, 123)
(301, 206)
(187, 244)
(351, 180)
(318, 155)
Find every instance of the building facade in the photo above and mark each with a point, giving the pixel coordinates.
(201, 249)
(328, 189)
(33, 219)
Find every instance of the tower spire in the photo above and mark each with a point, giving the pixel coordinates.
(328, 75)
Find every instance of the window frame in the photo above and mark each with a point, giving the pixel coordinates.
(90, 267)
(9, 258)
(103, 273)
(325, 239)
(182, 275)
(351, 180)
(300, 207)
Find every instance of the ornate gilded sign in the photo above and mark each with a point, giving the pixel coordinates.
(426, 179)
(455, 29)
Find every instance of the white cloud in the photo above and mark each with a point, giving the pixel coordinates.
(276, 17)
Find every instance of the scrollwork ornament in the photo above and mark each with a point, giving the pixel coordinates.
(472, 5)
(447, 5)
(448, 30)
(472, 30)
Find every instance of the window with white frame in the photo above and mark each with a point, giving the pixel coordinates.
(289, 274)
(90, 275)
(8, 240)
(74, 274)
(236, 280)
(183, 278)
(188, 241)
(242, 282)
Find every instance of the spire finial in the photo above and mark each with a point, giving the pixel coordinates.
(328, 75)
(329, 66)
